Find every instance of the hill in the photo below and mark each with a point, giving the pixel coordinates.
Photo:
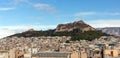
(77, 30)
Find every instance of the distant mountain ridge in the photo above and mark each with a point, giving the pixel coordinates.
(111, 30)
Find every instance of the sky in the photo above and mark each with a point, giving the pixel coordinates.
(20, 15)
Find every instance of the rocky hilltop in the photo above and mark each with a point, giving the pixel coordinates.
(111, 30)
(75, 25)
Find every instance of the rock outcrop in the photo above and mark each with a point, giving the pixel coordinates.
(75, 25)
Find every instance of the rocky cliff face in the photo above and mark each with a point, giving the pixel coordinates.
(111, 30)
(75, 25)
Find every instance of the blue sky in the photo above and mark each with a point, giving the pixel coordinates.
(20, 15)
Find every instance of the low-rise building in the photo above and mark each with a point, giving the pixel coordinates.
(110, 53)
(4, 54)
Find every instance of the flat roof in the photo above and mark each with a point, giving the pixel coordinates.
(52, 54)
(3, 51)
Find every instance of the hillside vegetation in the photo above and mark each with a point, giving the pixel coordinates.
(76, 34)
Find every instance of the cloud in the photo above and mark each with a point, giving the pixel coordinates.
(112, 13)
(105, 23)
(38, 6)
(45, 7)
(4, 33)
(20, 2)
(10, 30)
(6, 9)
(85, 13)
(96, 13)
